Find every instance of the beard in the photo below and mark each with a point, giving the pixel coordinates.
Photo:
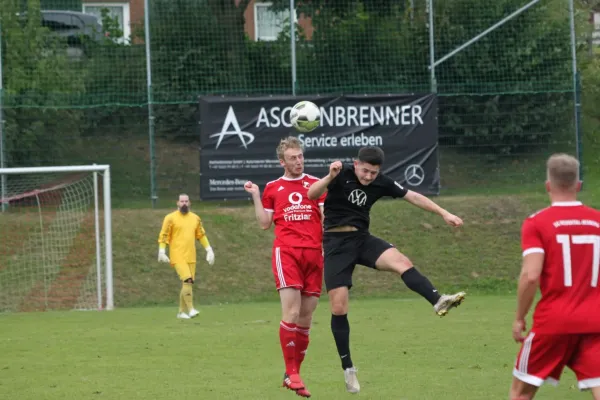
(184, 209)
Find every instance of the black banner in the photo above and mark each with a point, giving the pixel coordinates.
(239, 135)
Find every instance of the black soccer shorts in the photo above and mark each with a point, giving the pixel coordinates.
(343, 250)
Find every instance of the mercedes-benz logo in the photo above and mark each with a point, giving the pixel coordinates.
(414, 174)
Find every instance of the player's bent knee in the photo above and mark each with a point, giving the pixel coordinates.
(394, 261)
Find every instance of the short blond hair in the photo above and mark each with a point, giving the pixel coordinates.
(290, 142)
(563, 171)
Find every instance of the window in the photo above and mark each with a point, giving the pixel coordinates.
(267, 23)
(120, 11)
(596, 30)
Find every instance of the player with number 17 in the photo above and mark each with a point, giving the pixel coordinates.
(561, 256)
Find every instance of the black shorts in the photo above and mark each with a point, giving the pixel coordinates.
(343, 250)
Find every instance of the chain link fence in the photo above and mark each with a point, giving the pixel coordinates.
(118, 82)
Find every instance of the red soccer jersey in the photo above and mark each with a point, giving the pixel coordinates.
(568, 233)
(298, 220)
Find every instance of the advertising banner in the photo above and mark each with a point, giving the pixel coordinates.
(239, 135)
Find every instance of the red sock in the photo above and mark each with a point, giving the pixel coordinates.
(287, 338)
(302, 340)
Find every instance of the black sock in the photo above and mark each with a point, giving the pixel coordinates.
(341, 333)
(420, 284)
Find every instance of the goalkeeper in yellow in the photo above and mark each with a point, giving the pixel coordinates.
(180, 230)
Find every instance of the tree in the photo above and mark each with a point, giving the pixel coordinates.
(38, 79)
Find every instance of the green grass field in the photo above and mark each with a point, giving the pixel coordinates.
(231, 351)
(402, 350)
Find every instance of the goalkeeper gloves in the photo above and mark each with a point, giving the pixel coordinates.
(210, 255)
(162, 256)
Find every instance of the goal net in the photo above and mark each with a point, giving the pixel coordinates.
(55, 239)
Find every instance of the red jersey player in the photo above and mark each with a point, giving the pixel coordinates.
(561, 254)
(297, 259)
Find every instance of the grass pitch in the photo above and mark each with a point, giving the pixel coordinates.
(402, 350)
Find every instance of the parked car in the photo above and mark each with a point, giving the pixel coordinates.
(73, 25)
(76, 27)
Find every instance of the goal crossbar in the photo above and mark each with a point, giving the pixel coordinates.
(104, 170)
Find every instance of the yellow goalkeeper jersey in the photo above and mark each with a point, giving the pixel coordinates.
(180, 232)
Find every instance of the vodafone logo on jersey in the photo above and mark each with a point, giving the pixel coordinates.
(297, 211)
(295, 198)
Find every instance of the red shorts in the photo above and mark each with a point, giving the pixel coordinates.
(300, 268)
(542, 358)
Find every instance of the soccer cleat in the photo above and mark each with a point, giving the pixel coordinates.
(193, 312)
(448, 301)
(293, 382)
(303, 392)
(183, 315)
(352, 385)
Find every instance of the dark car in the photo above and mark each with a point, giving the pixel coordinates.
(73, 25)
(76, 27)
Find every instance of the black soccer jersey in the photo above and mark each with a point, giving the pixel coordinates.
(348, 202)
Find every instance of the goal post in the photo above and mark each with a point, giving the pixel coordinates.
(56, 238)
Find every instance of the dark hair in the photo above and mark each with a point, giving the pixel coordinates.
(371, 154)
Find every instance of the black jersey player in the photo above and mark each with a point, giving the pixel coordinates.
(351, 192)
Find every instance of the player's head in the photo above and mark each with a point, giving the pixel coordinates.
(368, 164)
(291, 156)
(183, 204)
(562, 171)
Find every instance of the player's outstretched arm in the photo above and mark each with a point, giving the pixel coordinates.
(317, 189)
(263, 217)
(427, 204)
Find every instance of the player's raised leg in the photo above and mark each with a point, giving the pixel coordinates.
(313, 282)
(311, 265)
(394, 261)
(291, 301)
(288, 281)
(308, 305)
(307, 308)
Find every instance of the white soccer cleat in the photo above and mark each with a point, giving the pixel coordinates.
(183, 315)
(352, 385)
(193, 312)
(448, 301)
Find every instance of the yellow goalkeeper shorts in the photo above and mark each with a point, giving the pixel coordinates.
(185, 271)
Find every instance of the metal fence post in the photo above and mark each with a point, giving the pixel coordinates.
(576, 91)
(150, 100)
(2, 147)
(431, 48)
(293, 44)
